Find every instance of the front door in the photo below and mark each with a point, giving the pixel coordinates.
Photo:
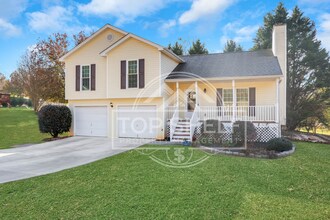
(191, 103)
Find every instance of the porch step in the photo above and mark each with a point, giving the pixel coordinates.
(181, 134)
(183, 123)
(182, 131)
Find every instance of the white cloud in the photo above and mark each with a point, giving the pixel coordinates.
(9, 29)
(165, 27)
(56, 18)
(123, 10)
(204, 8)
(10, 9)
(324, 32)
(238, 33)
(52, 19)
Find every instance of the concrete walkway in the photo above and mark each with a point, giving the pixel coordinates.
(39, 159)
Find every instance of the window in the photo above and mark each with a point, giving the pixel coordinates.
(227, 97)
(85, 78)
(242, 97)
(132, 74)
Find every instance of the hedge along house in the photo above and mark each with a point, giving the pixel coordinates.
(121, 85)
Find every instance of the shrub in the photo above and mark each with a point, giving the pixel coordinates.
(19, 101)
(211, 134)
(279, 145)
(54, 119)
(239, 132)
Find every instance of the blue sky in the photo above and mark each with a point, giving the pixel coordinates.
(23, 22)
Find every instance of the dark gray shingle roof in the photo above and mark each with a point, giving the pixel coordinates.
(256, 63)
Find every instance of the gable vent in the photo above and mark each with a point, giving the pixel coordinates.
(109, 37)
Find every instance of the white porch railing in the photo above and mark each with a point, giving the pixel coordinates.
(242, 113)
(173, 122)
(194, 121)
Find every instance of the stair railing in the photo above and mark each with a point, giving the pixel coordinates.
(193, 122)
(173, 122)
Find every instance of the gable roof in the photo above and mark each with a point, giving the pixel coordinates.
(222, 65)
(90, 38)
(130, 35)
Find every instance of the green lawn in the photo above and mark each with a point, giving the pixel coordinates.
(132, 186)
(19, 126)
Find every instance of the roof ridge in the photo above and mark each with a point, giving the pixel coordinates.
(249, 51)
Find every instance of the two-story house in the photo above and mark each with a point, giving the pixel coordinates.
(121, 85)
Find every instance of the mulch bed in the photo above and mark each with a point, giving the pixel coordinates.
(257, 150)
(303, 136)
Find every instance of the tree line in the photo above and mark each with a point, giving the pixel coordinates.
(40, 74)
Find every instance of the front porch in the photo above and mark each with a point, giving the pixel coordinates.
(195, 102)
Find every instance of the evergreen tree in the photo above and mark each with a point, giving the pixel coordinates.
(308, 73)
(263, 39)
(232, 46)
(177, 48)
(198, 48)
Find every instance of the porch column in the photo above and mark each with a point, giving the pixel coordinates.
(277, 108)
(196, 92)
(177, 94)
(234, 101)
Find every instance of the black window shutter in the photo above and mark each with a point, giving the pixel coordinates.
(77, 77)
(252, 101)
(123, 74)
(219, 99)
(93, 69)
(141, 73)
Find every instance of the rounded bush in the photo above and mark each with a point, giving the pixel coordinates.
(279, 145)
(54, 119)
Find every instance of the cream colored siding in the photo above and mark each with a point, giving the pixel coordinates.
(133, 49)
(86, 55)
(167, 65)
(265, 91)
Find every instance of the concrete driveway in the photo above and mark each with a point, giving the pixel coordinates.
(39, 159)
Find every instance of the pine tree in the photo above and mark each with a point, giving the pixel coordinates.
(232, 46)
(198, 48)
(177, 48)
(308, 73)
(263, 39)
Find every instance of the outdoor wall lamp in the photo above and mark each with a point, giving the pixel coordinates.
(204, 90)
(111, 105)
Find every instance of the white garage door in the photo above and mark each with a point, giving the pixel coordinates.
(91, 121)
(137, 121)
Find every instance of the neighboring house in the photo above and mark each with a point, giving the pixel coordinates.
(121, 85)
(4, 96)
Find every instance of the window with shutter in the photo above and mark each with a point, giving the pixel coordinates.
(123, 74)
(93, 77)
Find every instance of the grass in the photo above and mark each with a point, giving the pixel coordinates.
(19, 126)
(133, 186)
(318, 131)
